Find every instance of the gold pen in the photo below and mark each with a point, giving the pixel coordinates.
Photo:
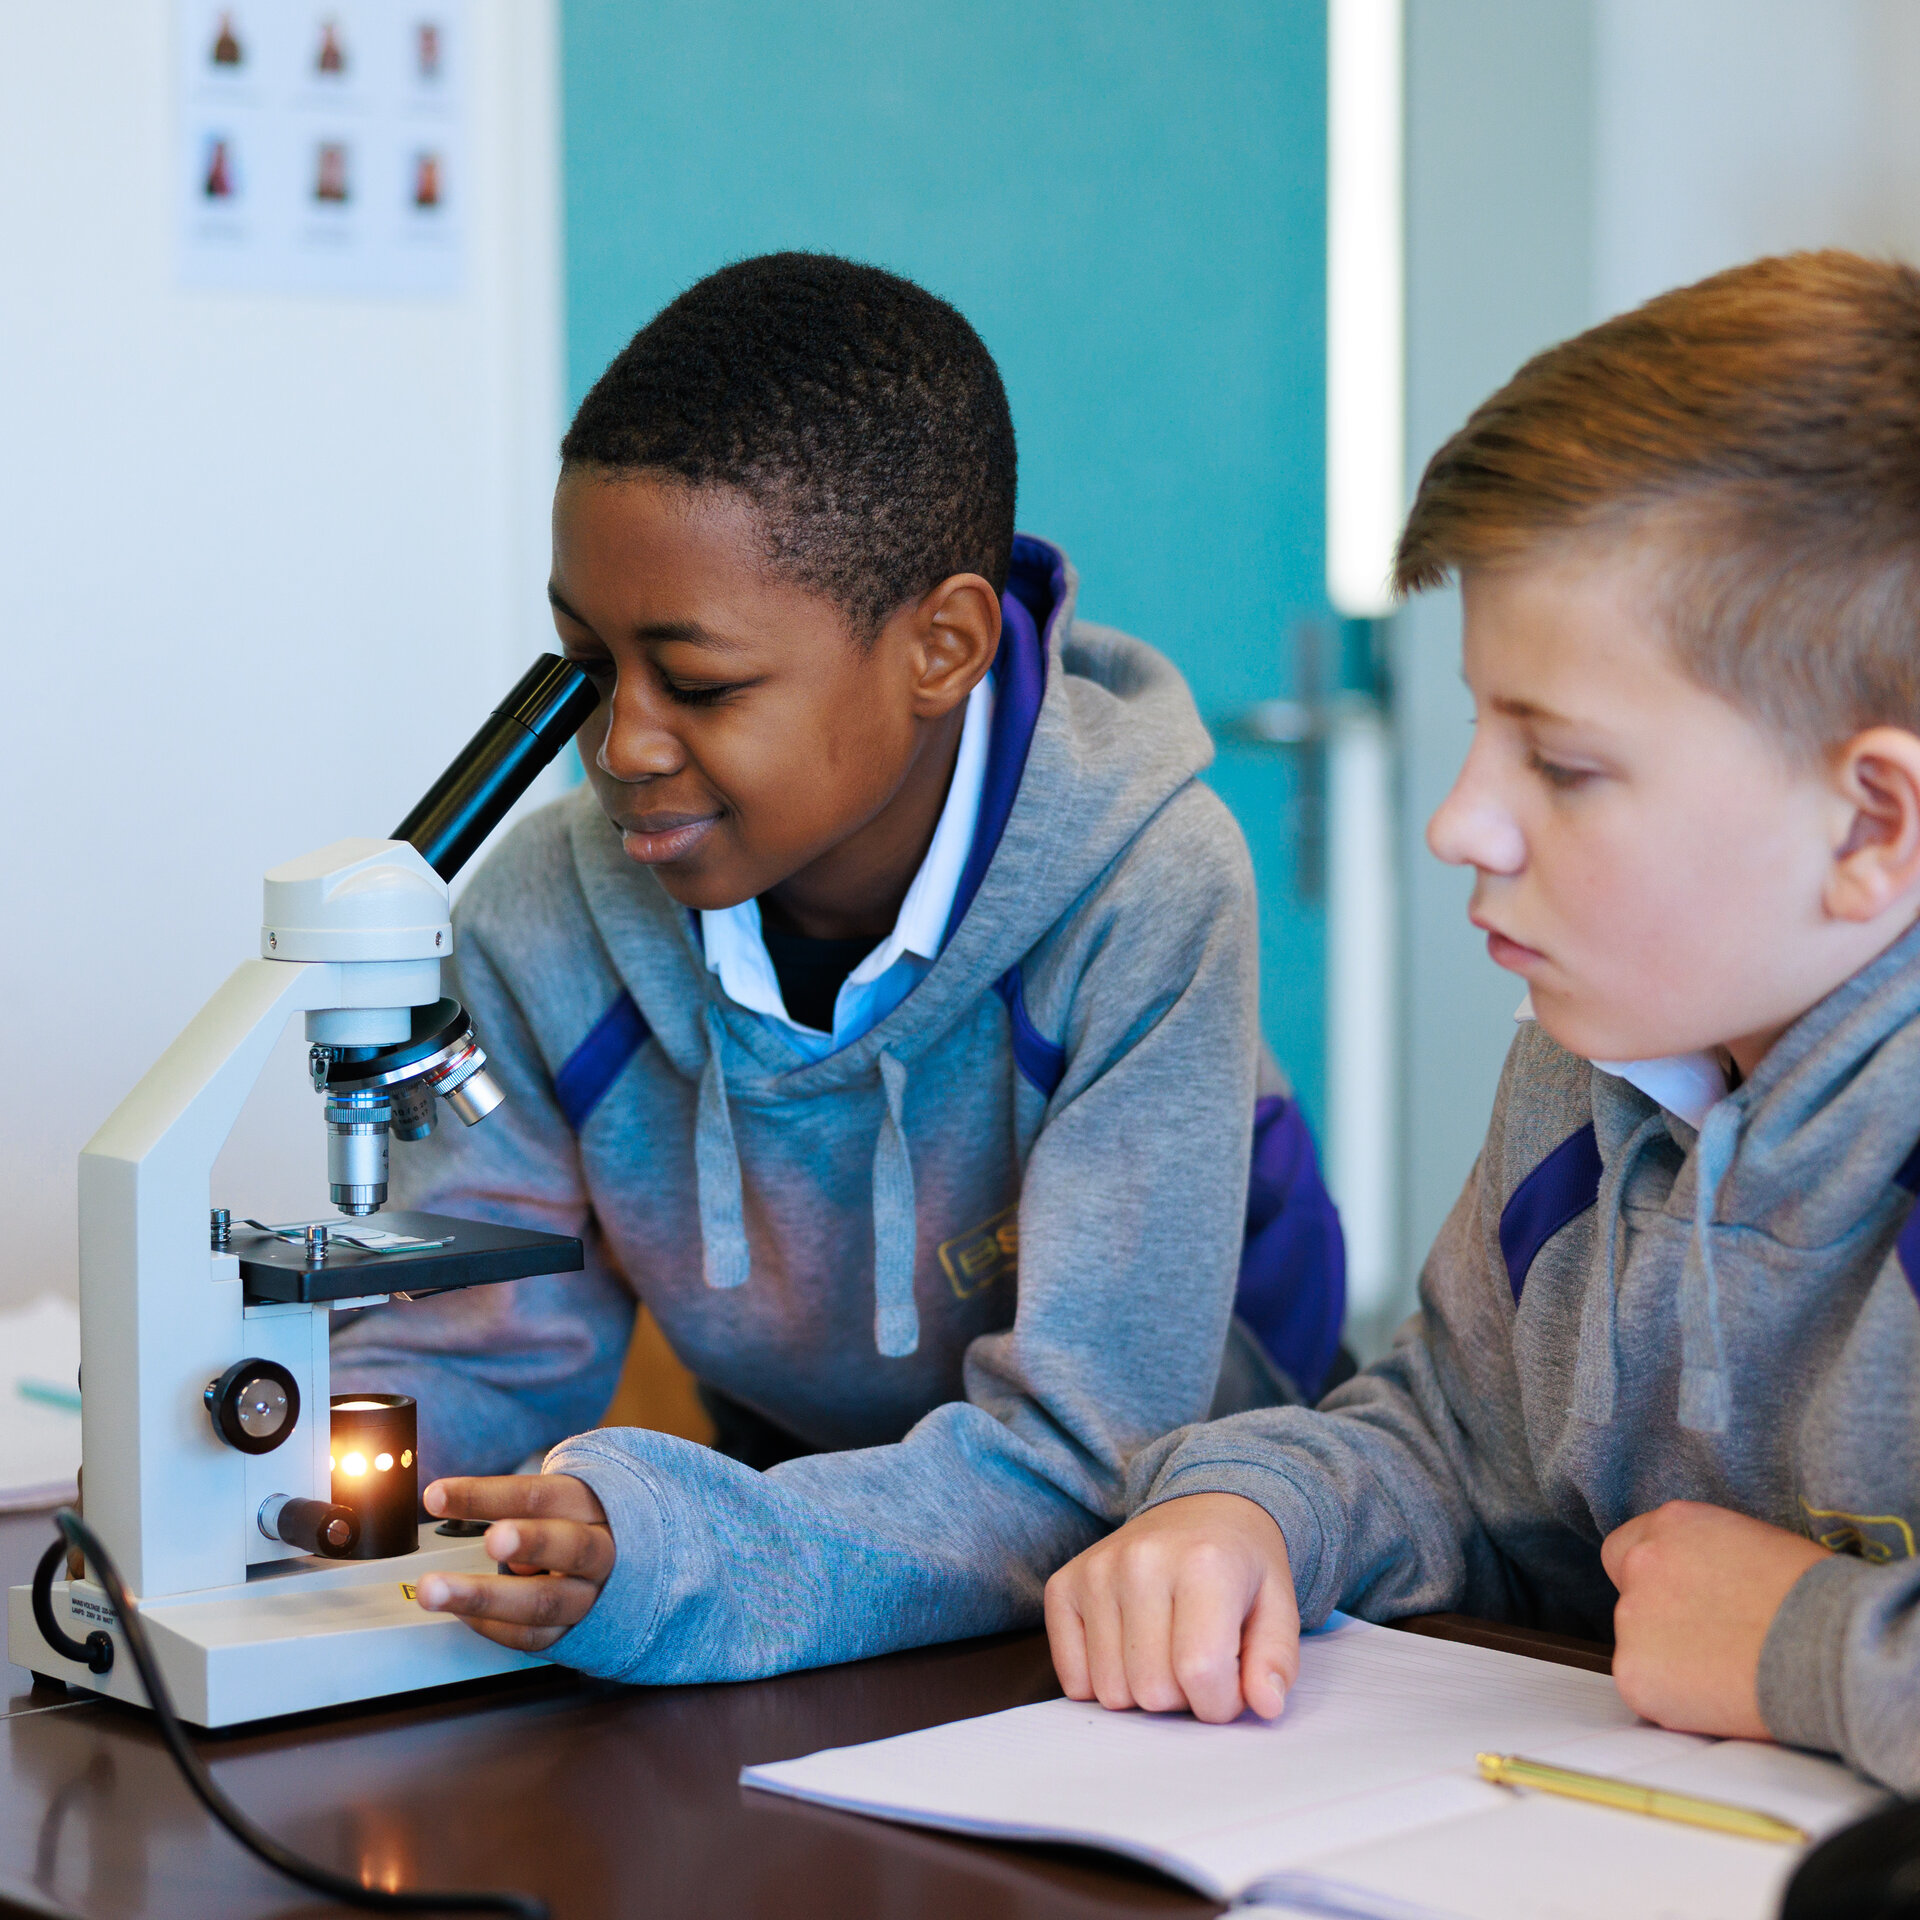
(1510, 1770)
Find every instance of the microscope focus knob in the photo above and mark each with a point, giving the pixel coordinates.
(254, 1405)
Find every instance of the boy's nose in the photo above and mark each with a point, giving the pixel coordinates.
(636, 747)
(1470, 828)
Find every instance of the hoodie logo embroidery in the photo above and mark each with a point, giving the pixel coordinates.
(974, 1260)
(1874, 1537)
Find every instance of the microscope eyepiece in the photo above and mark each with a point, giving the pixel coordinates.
(523, 733)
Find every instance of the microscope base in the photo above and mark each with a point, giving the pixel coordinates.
(298, 1635)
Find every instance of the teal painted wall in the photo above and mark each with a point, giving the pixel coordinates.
(1126, 199)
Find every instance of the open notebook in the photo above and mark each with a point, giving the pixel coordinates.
(1362, 1800)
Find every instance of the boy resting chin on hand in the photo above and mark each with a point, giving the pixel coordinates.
(1666, 1369)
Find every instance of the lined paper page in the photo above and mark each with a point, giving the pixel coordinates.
(1540, 1858)
(1363, 1798)
(1378, 1736)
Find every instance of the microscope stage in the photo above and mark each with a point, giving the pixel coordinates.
(476, 1252)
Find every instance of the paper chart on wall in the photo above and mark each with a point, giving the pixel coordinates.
(322, 148)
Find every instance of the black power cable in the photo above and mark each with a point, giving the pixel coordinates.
(336, 1886)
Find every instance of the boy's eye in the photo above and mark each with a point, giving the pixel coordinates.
(596, 666)
(696, 693)
(1563, 778)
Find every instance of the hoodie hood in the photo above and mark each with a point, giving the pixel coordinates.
(1801, 1155)
(1093, 732)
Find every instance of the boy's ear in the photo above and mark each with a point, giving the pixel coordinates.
(1877, 866)
(957, 628)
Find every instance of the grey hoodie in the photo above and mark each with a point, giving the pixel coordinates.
(1618, 1313)
(834, 1243)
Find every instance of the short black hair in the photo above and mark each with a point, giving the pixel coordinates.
(863, 417)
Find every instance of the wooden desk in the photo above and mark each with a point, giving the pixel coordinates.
(603, 1800)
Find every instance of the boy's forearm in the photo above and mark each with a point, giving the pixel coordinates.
(1840, 1668)
(726, 1574)
(1384, 1498)
(1373, 1520)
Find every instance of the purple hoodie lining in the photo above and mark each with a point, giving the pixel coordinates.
(1036, 591)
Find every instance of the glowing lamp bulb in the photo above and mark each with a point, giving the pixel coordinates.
(374, 1440)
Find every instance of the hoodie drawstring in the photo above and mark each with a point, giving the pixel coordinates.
(723, 1231)
(716, 1165)
(1595, 1369)
(1705, 1400)
(896, 1321)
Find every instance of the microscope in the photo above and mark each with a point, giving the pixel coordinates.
(269, 1531)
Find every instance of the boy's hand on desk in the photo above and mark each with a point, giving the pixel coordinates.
(1699, 1587)
(1189, 1605)
(548, 1524)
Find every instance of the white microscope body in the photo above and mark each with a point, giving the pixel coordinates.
(244, 1625)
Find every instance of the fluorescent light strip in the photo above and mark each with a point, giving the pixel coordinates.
(1366, 303)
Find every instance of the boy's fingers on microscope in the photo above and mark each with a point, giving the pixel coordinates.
(511, 1496)
(520, 1639)
(556, 1601)
(553, 1546)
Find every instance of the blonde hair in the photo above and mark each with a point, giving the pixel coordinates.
(1760, 433)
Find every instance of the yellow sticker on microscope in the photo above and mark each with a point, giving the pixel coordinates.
(408, 1591)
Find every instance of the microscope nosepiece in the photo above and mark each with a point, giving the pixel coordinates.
(375, 1092)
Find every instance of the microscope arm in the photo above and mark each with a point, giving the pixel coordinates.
(161, 1314)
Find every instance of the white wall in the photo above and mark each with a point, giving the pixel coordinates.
(264, 563)
(1732, 128)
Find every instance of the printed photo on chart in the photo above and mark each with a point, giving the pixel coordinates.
(329, 50)
(228, 51)
(220, 169)
(332, 173)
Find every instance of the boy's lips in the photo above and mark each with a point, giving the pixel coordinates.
(1505, 951)
(659, 838)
